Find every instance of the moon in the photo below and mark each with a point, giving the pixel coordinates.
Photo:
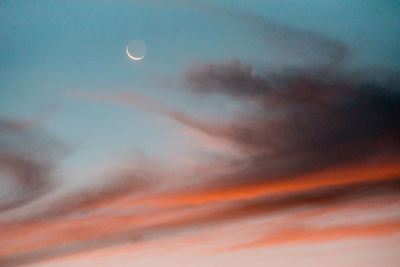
(136, 50)
(132, 57)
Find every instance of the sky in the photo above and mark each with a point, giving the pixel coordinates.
(257, 133)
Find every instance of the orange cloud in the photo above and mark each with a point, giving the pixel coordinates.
(304, 234)
(324, 178)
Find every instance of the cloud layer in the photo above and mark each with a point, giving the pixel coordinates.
(309, 139)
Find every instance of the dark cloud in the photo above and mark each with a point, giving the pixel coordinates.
(28, 157)
(301, 119)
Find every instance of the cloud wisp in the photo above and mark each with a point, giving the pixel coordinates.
(28, 157)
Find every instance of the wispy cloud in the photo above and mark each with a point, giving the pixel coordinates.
(28, 157)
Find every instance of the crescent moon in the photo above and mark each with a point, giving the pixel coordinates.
(132, 57)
